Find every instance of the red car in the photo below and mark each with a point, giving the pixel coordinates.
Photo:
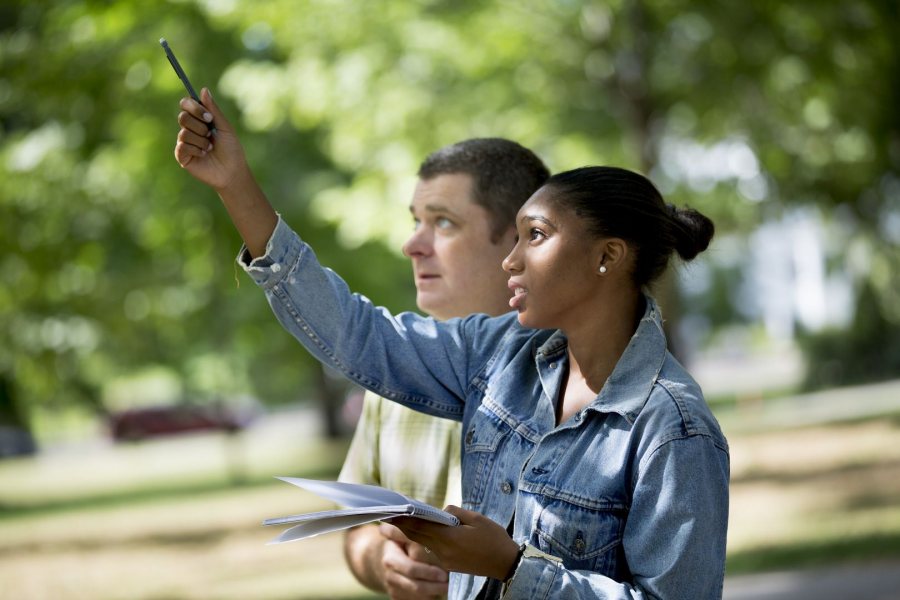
(139, 423)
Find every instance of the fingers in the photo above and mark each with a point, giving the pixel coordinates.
(465, 517)
(197, 110)
(190, 146)
(422, 554)
(407, 578)
(188, 121)
(185, 153)
(393, 533)
(218, 116)
(186, 136)
(401, 588)
(396, 560)
(204, 116)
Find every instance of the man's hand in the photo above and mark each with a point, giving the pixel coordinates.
(410, 571)
(389, 562)
(477, 546)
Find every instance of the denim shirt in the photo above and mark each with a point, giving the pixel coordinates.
(628, 497)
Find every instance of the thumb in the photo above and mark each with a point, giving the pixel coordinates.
(466, 517)
(219, 119)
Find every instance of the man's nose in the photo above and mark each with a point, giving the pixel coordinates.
(420, 243)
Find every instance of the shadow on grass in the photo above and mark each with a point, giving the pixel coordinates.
(816, 475)
(137, 496)
(198, 539)
(812, 554)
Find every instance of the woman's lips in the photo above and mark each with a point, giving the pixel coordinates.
(518, 298)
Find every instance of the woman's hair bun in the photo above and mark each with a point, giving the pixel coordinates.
(693, 231)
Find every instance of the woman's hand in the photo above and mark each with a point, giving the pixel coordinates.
(218, 161)
(477, 546)
(215, 159)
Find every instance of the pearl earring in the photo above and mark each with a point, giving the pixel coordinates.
(602, 269)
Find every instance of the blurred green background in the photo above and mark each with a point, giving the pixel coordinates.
(118, 288)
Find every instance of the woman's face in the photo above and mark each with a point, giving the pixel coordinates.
(553, 266)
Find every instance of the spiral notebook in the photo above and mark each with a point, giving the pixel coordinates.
(359, 504)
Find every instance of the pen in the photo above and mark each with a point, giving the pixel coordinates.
(181, 75)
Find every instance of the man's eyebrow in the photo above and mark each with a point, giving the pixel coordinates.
(435, 208)
(542, 219)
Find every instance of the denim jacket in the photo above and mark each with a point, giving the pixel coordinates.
(626, 499)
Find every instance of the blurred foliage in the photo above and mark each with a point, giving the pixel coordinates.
(869, 350)
(113, 261)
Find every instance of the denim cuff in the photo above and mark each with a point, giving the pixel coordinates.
(283, 251)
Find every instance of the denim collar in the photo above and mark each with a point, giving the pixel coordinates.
(627, 389)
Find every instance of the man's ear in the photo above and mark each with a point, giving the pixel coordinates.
(612, 256)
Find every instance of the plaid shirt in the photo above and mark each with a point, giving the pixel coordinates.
(406, 451)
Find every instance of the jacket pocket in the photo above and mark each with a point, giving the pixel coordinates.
(585, 539)
(481, 439)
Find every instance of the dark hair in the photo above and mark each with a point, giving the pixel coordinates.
(620, 203)
(504, 175)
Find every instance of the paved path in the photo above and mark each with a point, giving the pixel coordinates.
(878, 581)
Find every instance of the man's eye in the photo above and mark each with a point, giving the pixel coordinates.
(443, 223)
(416, 223)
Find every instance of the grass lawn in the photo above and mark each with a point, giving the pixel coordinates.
(163, 520)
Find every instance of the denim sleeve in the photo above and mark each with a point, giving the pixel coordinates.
(674, 538)
(410, 359)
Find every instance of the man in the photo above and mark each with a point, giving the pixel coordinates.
(464, 207)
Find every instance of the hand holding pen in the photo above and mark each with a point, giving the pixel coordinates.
(210, 153)
(183, 77)
(214, 156)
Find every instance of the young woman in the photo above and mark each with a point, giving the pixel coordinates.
(592, 467)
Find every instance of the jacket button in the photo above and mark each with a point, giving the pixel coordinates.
(506, 487)
(470, 436)
(578, 546)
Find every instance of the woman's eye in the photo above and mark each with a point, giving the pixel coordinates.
(536, 234)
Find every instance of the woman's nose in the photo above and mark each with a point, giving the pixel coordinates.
(510, 264)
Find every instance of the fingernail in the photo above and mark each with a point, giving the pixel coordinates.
(208, 148)
(207, 117)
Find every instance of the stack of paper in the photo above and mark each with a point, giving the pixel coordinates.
(361, 504)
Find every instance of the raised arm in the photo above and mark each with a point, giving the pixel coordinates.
(218, 161)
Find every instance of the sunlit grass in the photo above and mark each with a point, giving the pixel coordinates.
(166, 520)
(109, 524)
(815, 496)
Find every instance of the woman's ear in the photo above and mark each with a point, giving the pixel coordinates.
(612, 256)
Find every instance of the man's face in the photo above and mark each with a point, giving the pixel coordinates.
(456, 265)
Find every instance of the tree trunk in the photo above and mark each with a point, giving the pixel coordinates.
(16, 437)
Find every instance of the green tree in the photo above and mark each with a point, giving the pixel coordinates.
(112, 260)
